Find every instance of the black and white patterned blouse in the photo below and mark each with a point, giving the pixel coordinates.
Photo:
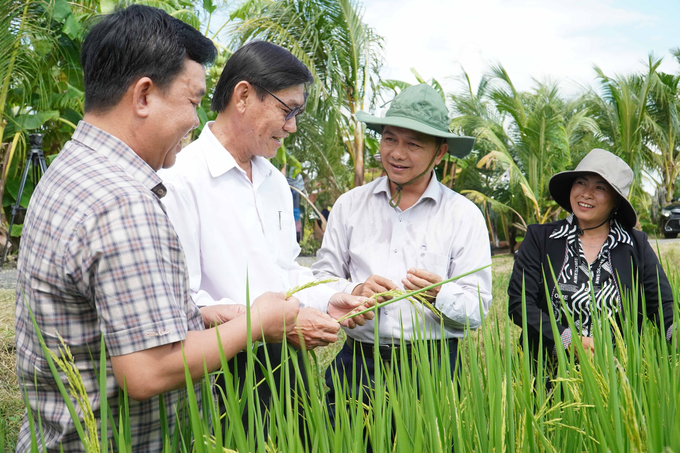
(575, 277)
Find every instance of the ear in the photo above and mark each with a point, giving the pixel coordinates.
(440, 154)
(142, 90)
(242, 95)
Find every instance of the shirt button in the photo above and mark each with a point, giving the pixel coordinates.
(395, 250)
(401, 218)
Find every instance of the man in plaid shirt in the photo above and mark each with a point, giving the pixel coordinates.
(99, 256)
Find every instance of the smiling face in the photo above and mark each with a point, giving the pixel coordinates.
(406, 153)
(267, 120)
(592, 199)
(174, 113)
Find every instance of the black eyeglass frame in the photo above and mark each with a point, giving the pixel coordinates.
(293, 112)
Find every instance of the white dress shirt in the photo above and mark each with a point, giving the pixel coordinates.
(443, 233)
(233, 230)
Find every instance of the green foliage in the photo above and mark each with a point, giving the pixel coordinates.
(309, 245)
(623, 398)
(523, 138)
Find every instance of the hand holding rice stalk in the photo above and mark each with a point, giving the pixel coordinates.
(412, 296)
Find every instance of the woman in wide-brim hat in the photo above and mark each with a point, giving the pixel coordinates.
(594, 251)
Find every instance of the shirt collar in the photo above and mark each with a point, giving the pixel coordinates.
(617, 234)
(433, 190)
(564, 230)
(120, 154)
(220, 160)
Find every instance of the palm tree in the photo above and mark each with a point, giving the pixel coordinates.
(663, 129)
(35, 76)
(525, 137)
(621, 111)
(343, 53)
(41, 80)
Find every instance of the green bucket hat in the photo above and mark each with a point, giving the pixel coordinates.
(420, 108)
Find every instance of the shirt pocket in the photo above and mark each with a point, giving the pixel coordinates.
(435, 263)
(282, 224)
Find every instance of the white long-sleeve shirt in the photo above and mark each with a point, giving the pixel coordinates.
(443, 233)
(233, 230)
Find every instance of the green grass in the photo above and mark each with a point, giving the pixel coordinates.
(11, 404)
(627, 399)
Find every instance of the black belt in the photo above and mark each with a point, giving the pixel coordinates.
(387, 351)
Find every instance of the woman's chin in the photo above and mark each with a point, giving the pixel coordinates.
(587, 220)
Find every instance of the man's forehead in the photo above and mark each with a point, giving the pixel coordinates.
(194, 77)
(407, 133)
(292, 96)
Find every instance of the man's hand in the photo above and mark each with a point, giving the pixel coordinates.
(373, 285)
(315, 327)
(214, 315)
(342, 303)
(275, 315)
(420, 278)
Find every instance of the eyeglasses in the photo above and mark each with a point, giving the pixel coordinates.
(293, 112)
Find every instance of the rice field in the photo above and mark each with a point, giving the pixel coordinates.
(625, 398)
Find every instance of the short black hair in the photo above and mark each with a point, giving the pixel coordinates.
(135, 42)
(263, 65)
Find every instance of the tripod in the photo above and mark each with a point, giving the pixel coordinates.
(35, 161)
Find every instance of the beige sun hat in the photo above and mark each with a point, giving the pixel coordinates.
(612, 169)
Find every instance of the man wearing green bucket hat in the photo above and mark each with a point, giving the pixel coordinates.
(406, 231)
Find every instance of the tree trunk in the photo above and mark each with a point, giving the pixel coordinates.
(4, 158)
(358, 155)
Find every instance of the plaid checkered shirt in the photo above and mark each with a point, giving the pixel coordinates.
(98, 257)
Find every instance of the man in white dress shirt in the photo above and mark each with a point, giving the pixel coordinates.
(233, 210)
(406, 230)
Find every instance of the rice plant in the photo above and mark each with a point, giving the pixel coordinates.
(625, 397)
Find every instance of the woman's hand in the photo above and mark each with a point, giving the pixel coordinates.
(588, 346)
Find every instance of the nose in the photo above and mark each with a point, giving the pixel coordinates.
(399, 152)
(290, 126)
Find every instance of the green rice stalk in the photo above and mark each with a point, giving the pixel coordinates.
(410, 294)
(626, 398)
(311, 284)
(235, 431)
(77, 390)
(57, 378)
(31, 422)
(110, 422)
(122, 445)
(103, 397)
(214, 445)
(415, 299)
(195, 419)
